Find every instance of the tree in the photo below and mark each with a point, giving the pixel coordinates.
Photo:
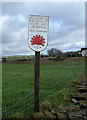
(60, 55)
(52, 52)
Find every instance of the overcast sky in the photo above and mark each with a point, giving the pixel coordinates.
(66, 26)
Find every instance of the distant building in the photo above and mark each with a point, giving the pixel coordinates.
(84, 52)
(73, 54)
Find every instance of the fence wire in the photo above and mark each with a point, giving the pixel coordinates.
(18, 87)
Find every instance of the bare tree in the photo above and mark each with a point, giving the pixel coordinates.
(52, 52)
(60, 55)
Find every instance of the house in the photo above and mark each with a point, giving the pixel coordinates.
(73, 54)
(84, 52)
(79, 52)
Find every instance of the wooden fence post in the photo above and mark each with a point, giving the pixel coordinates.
(74, 70)
(37, 77)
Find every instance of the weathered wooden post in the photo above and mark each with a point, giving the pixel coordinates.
(37, 77)
(74, 70)
(37, 41)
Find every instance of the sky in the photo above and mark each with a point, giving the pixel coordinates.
(66, 26)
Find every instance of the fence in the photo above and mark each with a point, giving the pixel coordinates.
(18, 85)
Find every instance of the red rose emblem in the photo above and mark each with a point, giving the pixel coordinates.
(37, 40)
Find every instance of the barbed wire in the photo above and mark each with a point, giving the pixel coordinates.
(15, 110)
(49, 86)
(16, 86)
(15, 73)
(28, 99)
(31, 88)
(14, 70)
(22, 68)
(17, 103)
(27, 82)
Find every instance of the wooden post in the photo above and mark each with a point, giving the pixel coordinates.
(37, 77)
(74, 70)
(85, 70)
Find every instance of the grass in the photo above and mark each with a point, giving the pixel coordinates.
(56, 84)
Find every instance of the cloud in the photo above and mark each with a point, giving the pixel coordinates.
(7, 18)
(12, 30)
(59, 30)
(72, 40)
(15, 37)
(66, 25)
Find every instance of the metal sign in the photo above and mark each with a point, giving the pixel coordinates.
(38, 32)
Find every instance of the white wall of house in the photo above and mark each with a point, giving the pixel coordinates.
(84, 53)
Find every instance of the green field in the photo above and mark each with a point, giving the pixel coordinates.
(56, 81)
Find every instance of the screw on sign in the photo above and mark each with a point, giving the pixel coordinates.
(37, 41)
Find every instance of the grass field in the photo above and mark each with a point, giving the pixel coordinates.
(56, 80)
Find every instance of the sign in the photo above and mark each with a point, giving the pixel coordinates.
(38, 32)
(37, 41)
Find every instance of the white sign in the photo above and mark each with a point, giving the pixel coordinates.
(38, 32)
